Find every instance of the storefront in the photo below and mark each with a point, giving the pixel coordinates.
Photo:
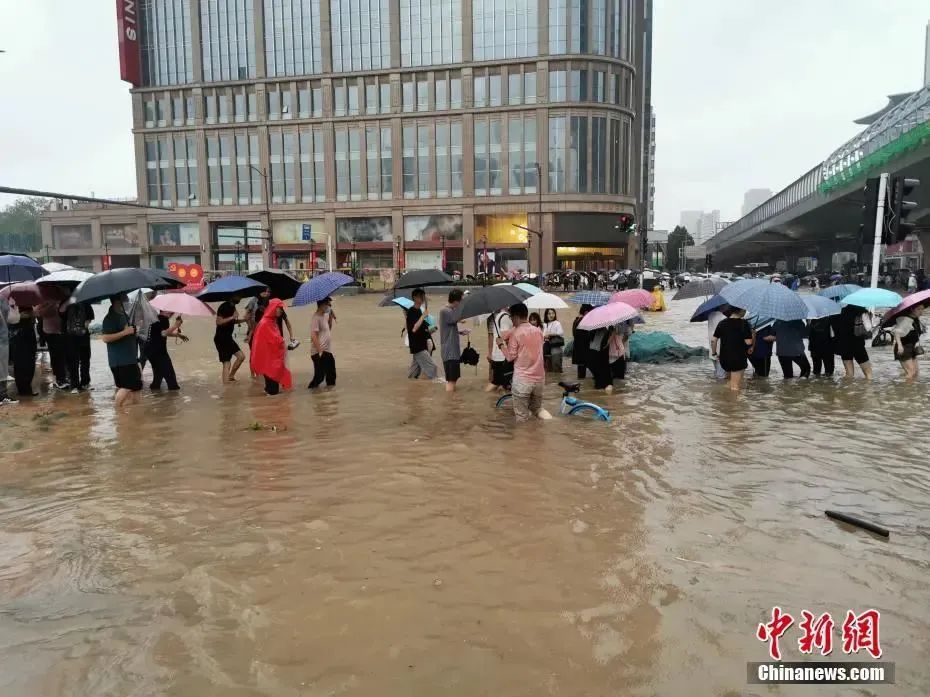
(237, 246)
(590, 258)
(364, 244)
(500, 245)
(300, 245)
(433, 242)
(590, 242)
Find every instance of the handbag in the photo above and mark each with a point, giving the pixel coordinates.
(556, 341)
(470, 355)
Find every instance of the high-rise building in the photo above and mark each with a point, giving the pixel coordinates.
(927, 57)
(398, 133)
(651, 179)
(754, 198)
(700, 224)
(691, 221)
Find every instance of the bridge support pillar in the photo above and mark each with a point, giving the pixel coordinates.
(825, 252)
(924, 237)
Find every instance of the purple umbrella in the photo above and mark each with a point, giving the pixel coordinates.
(905, 305)
(608, 315)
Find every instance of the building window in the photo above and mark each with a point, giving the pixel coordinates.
(303, 102)
(385, 89)
(529, 87)
(227, 40)
(621, 28)
(185, 170)
(247, 156)
(158, 174)
(458, 168)
(430, 32)
(556, 154)
(443, 160)
(480, 90)
(292, 45)
(599, 28)
(371, 97)
(423, 161)
(387, 163)
(165, 42)
(240, 106)
(494, 89)
(514, 88)
(557, 86)
(273, 103)
(409, 161)
(578, 85)
(598, 155)
(352, 92)
(521, 143)
(455, 92)
(348, 164)
(578, 155)
(504, 29)
(361, 35)
(253, 105)
(442, 92)
(615, 156)
(599, 86)
(340, 103)
(408, 89)
(487, 157)
(568, 26)
(219, 167)
(422, 94)
(282, 150)
(373, 152)
(148, 109)
(312, 184)
(177, 110)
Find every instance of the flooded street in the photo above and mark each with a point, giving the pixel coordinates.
(386, 539)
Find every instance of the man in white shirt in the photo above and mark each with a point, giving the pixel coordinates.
(501, 369)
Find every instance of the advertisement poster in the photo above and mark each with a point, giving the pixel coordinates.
(424, 259)
(296, 231)
(121, 235)
(364, 230)
(174, 234)
(72, 236)
(432, 228)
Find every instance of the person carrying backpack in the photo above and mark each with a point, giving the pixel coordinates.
(78, 317)
(851, 328)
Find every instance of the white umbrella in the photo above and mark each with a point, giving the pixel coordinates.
(65, 276)
(545, 301)
(54, 266)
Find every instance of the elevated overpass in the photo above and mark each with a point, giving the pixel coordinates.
(819, 213)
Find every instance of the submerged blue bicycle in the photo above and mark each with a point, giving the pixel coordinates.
(570, 406)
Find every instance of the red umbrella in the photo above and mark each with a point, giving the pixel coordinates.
(905, 305)
(27, 293)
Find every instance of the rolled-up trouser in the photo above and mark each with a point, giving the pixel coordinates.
(527, 399)
(421, 362)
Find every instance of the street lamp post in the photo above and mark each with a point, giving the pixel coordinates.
(539, 237)
(354, 262)
(539, 220)
(484, 258)
(442, 260)
(270, 235)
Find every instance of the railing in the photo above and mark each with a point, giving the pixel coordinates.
(903, 128)
(800, 190)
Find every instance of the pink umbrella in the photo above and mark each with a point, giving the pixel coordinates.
(608, 315)
(182, 304)
(905, 305)
(634, 297)
(27, 293)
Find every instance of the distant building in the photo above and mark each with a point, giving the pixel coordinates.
(702, 225)
(754, 198)
(651, 181)
(691, 221)
(927, 58)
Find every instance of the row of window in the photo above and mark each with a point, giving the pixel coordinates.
(430, 33)
(505, 160)
(350, 97)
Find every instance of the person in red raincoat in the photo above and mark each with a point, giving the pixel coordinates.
(269, 350)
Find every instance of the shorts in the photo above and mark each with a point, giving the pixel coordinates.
(734, 364)
(226, 349)
(502, 373)
(452, 369)
(127, 377)
(857, 353)
(908, 354)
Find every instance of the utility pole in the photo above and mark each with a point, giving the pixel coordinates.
(539, 237)
(270, 234)
(879, 222)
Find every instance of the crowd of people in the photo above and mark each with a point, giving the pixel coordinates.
(522, 346)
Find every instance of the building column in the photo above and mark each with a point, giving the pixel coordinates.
(468, 238)
(394, 14)
(548, 241)
(261, 68)
(468, 50)
(196, 44)
(326, 39)
(206, 241)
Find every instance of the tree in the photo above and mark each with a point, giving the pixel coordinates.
(678, 239)
(20, 230)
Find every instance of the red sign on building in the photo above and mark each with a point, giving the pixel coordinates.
(130, 61)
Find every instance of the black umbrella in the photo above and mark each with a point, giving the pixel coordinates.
(106, 284)
(281, 283)
(423, 277)
(490, 299)
(702, 288)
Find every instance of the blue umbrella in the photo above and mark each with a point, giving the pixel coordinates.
(706, 307)
(764, 299)
(590, 297)
(820, 307)
(839, 292)
(320, 287)
(406, 303)
(228, 286)
(872, 297)
(528, 287)
(18, 267)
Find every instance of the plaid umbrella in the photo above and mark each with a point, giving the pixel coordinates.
(764, 299)
(590, 297)
(320, 287)
(701, 288)
(840, 291)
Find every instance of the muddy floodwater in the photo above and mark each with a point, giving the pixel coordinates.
(386, 539)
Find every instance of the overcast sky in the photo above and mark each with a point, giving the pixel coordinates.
(748, 93)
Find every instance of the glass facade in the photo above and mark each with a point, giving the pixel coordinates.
(227, 39)
(430, 32)
(504, 29)
(165, 42)
(185, 170)
(487, 162)
(158, 171)
(292, 30)
(361, 34)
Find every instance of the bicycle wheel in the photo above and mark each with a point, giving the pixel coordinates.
(503, 399)
(593, 410)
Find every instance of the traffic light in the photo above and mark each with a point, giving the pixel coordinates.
(625, 223)
(900, 209)
(869, 211)
(709, 261)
